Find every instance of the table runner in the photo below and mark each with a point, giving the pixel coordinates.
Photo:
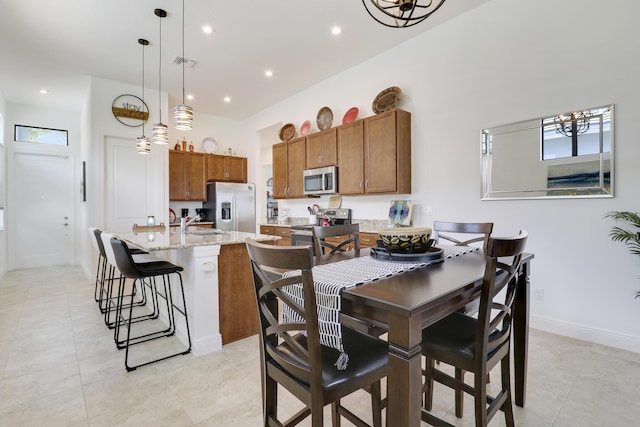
(331, 279)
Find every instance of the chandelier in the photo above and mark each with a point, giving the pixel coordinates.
(574, 124)
(401, 13)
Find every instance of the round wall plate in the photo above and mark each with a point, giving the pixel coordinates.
(210, 145)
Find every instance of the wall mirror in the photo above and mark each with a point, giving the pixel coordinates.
(558, 156)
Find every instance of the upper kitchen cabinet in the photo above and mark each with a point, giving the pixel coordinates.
(375, 154)
(322, 149)
(288, 165)
(187, 176)
(351, 155)
(226, 168)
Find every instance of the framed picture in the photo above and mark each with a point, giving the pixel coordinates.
(400, 213)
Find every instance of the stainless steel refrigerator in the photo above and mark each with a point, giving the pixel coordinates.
(231, 206)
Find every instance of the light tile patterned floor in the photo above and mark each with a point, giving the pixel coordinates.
(59, 367)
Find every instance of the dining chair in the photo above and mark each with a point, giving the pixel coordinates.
(478, 344)
(452, 232)
(350, 232)
(291, 354)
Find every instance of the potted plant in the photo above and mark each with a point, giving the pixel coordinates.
(631, 238)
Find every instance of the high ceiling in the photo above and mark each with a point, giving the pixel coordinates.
(56, 45)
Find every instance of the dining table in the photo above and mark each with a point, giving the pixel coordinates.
(403, 304)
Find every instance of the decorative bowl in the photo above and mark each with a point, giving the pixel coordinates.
(405, 238)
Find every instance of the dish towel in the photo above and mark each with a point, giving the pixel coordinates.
(331, 279)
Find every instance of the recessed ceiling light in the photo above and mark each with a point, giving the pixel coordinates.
(268, 73)
(227, 99)
(44, 91)
(207, 29)
(336, 30)
(189, 97)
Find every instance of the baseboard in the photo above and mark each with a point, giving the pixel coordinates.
(598, 336)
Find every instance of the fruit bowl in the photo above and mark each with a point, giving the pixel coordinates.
(406, 239)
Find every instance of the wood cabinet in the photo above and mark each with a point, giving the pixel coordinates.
(237, 299)
(368, 240)
(226, 168)
(288, 165)
(374, 154)
(187, 176)
(282, 231)
(351, 158)
(322, 149)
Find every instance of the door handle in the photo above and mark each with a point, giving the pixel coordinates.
(66, 224)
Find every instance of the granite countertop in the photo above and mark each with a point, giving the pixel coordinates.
(171, 238)
(366, 225)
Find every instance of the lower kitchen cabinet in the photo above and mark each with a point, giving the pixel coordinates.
(237, 299)
(368, 239)
(274, 230)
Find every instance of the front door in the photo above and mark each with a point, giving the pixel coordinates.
(42, 221)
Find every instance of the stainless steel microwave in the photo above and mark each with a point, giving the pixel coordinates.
(321, 180)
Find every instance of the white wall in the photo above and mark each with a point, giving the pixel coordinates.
(507, 61)
(4, 259)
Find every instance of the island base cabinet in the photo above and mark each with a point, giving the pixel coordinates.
(237, 298)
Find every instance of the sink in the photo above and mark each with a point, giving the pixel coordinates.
(203, 231)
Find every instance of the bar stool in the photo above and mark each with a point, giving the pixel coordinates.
(141, 272)
(102, 265)
(108, 306)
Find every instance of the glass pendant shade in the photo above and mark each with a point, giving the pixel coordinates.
(143, 145)
(183, 117)
(160, 133)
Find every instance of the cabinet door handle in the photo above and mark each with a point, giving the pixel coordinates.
(367, 184)
(319, 160)
(360, 184)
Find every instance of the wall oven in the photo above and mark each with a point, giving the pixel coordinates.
(320, 180)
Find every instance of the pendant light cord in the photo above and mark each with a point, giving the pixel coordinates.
(183, 103)
(160, 75)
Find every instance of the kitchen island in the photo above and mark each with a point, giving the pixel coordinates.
(217, 281)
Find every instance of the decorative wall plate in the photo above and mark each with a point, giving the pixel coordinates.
(350, 116)
(305, 128)
(325, 118)
(287, 132)
(210, 145)
(387, 99)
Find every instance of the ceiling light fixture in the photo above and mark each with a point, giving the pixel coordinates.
(143, 145)
(401, 13)
(336, 30)
(44, 91)
(268, 73)
(160, 130)
(183, 114)
(575, 124)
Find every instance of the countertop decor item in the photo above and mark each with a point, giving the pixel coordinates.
(287, 132)
(324, 118)
(350, 116)
(410, 239)
(401, 13)
(210, 145)
(305, 128)
(387, 99)
(400, 213)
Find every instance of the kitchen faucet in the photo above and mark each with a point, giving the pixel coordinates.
(184, 223)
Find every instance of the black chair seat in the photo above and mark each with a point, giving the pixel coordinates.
(453, 340)
(367, 355)
(157, 268)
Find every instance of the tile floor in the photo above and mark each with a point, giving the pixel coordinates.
(59, 367)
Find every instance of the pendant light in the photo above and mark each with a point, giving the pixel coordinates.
(160, 130)
(143, 144)
(183, 114)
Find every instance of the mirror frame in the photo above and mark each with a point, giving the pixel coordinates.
(524, 130)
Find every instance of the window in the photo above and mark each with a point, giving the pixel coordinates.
(41, 135)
